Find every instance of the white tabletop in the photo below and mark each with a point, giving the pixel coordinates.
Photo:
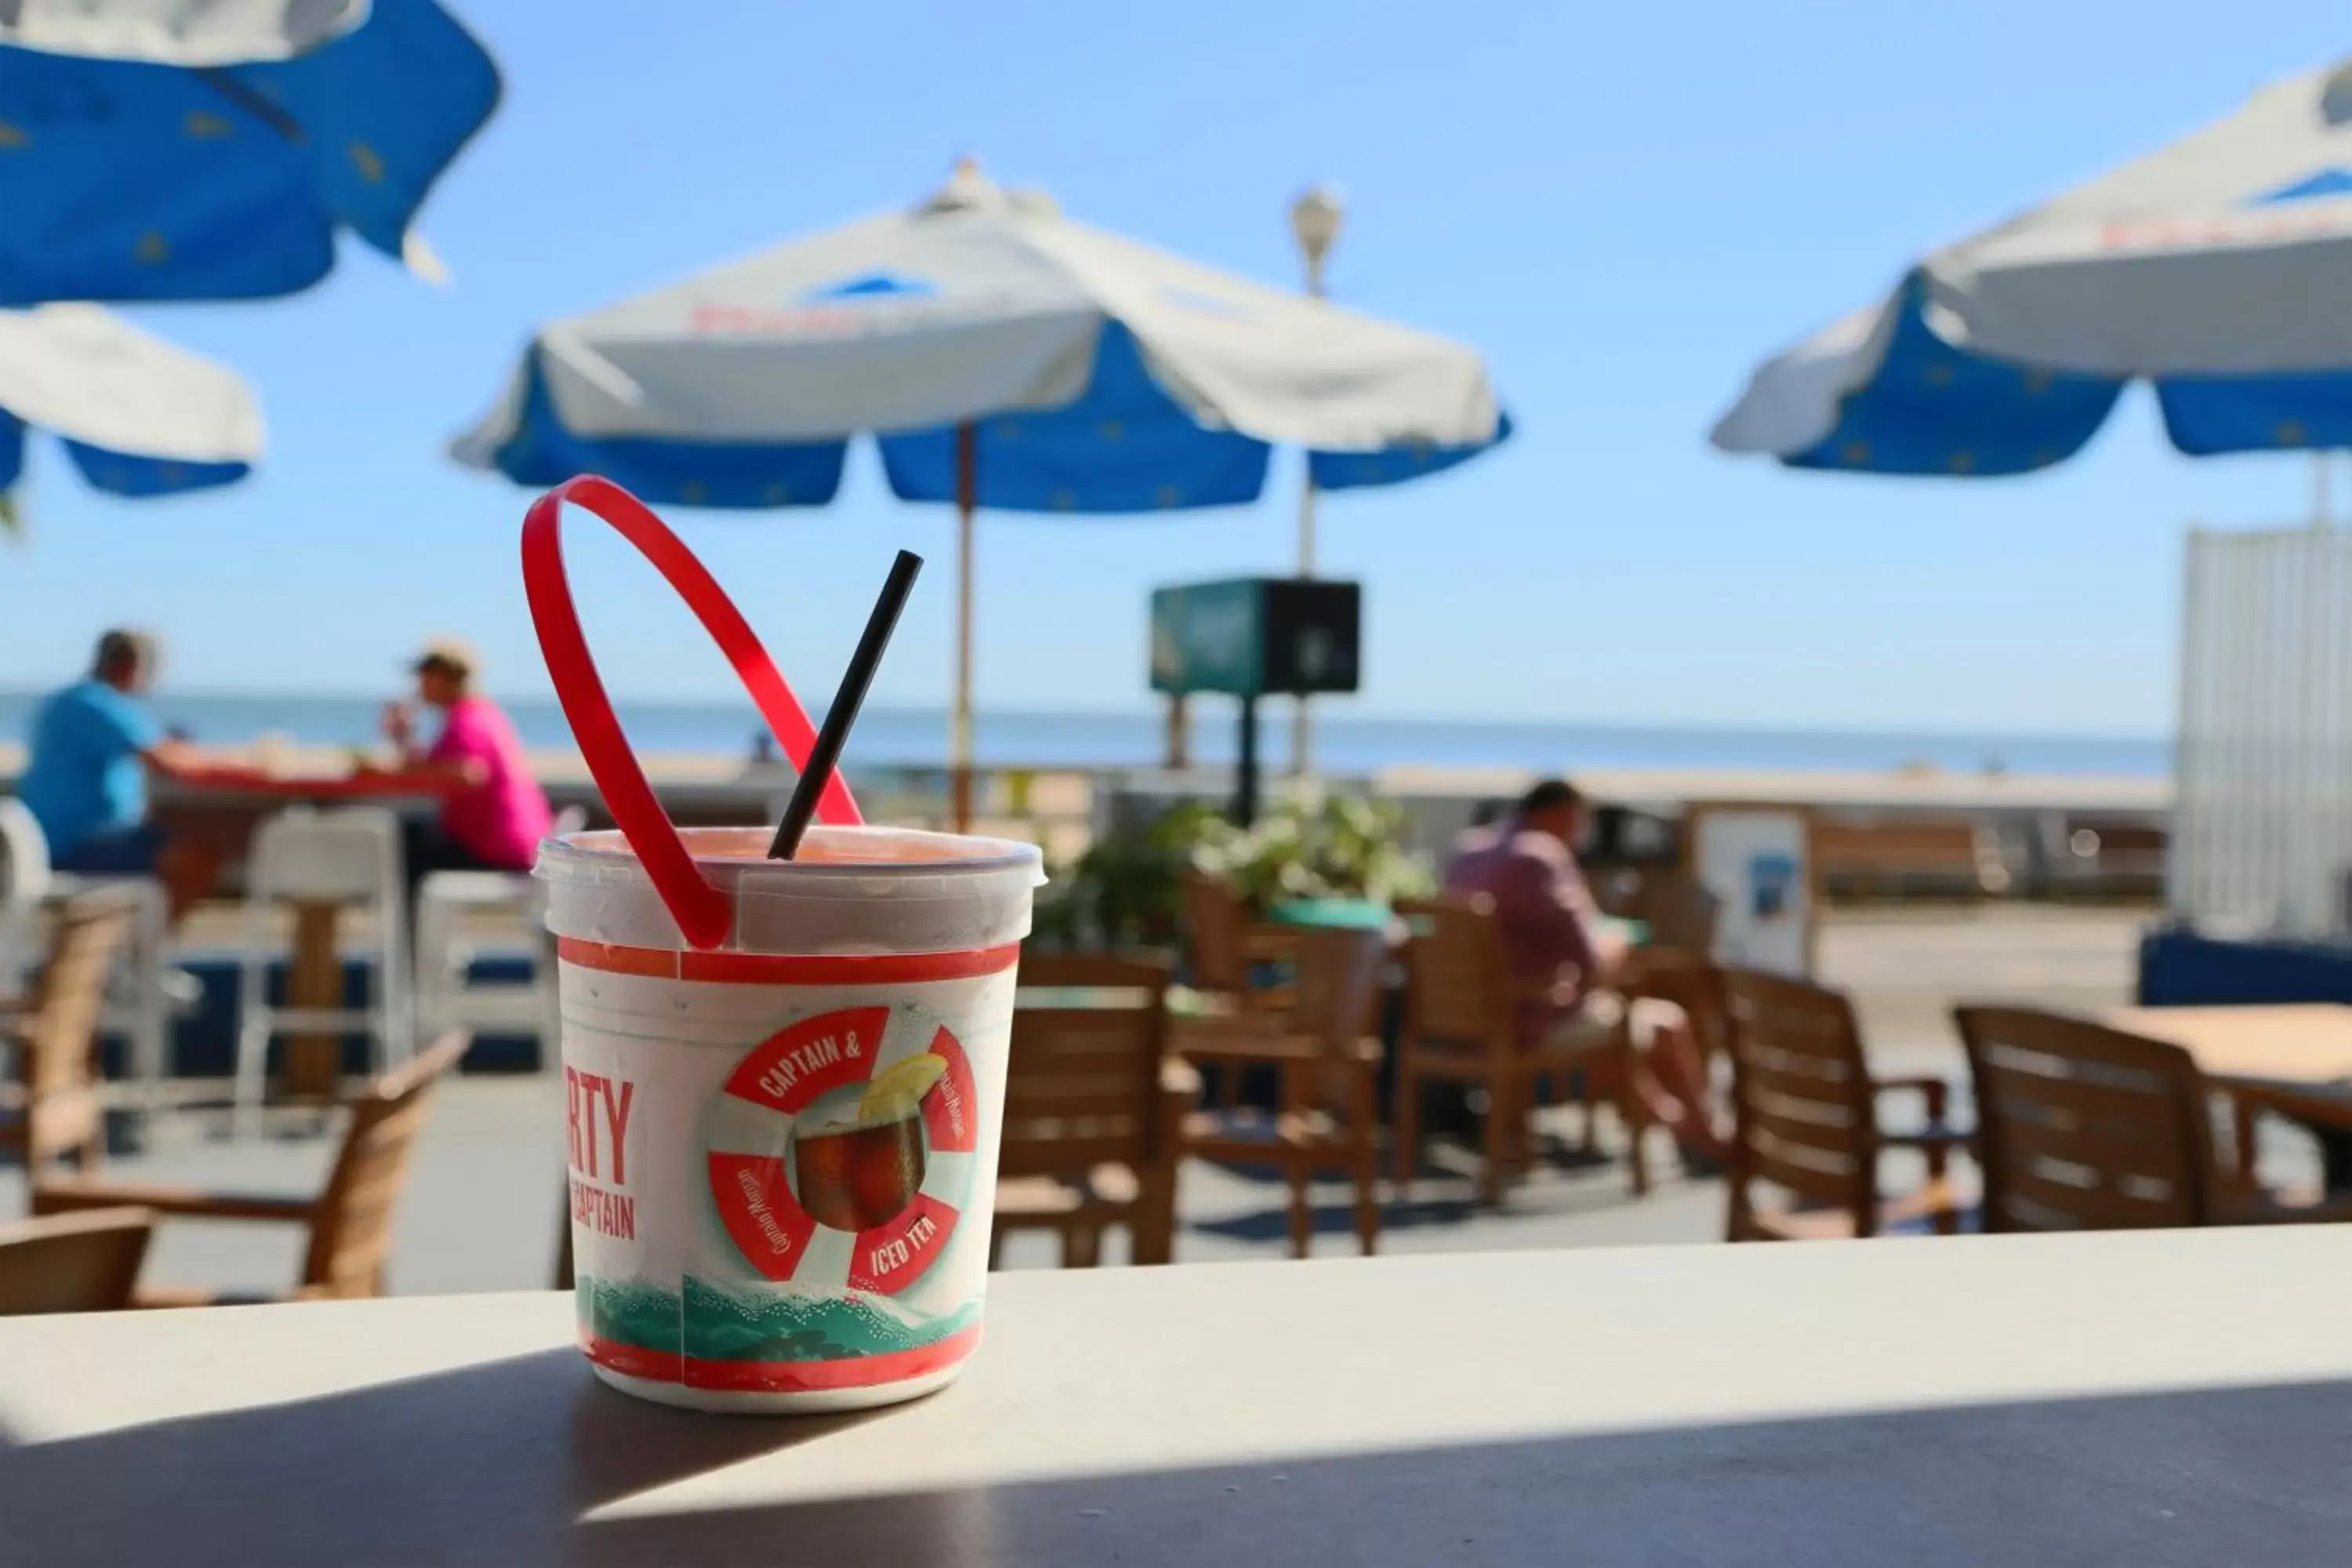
(2151, 1399)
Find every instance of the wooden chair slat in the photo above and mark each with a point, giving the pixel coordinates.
(374, 1195)
(1460, 976)
(85, 1262)
(1806, 1113)
(1325, 1054)
(352, 1236)
(1083, 1098)
(2124, 1134)
(1795, 1095)
(1794, 1171)
(351, 1220)
(1075, 1150)
(1052, 1047)
(2098, 1182)
(2092, 1092)
(2047, 1193)
(1685, 976)
(1822, 1071)
(2084, 1127)
(1216, 923)
(2035, 1203)
(1224, 944)
(1462, 1025)
(56, 1034)
(1818, 1145)
(1133, 973)
(64, 1122)
(1070, 1097)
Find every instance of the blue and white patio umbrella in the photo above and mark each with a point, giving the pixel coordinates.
(1004, 357)
(155, 150)
(2219, 269)
(138, 417)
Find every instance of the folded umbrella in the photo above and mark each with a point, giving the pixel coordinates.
(178, 32)
(138, 417)
(155, 150)
(2219, 269)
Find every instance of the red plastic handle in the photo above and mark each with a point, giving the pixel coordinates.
(704, 914)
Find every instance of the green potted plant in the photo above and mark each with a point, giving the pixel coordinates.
(1339, 858)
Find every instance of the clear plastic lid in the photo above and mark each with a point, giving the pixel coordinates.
(851, 890)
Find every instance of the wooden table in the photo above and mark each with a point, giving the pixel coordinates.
(223, 810)
(2302, 1046)
(2308, 1045)
(2152, 1399)
(223, 814)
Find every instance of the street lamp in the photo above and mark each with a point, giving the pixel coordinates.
(1315, 218)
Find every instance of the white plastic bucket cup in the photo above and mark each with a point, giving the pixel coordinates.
(783, 1151)
(783, 1080)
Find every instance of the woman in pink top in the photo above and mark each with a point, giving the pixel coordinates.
(494, 817)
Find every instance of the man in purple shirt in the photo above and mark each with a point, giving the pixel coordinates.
(1563, 956)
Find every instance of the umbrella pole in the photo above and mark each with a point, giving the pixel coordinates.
(1302, 726)
(960, 717)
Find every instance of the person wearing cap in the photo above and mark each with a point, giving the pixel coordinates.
(494, 813)
(89, 753)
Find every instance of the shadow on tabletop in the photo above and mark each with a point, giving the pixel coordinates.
(2159, 1482)
(1445, 1160)
(368, 1475)
(1336, 1215)
(504, 1458)
(1456, 1170)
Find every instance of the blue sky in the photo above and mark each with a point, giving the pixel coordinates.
(1623, 207)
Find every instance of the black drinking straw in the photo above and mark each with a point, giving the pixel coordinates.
(847, 701)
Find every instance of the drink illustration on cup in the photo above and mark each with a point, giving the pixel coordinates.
(784, 1069)
(857, 1174)
(841, 1150)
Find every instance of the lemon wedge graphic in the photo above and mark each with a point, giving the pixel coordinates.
(897, 1090)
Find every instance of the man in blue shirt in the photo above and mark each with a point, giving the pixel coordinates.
(92, 747)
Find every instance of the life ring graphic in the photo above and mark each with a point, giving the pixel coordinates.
(841, 1149)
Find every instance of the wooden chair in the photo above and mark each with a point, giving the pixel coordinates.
(1806, 1110)
(350, 1220)
(57, 1113)
(1681, 913)
(2087, 1128)
(1224, 946)
(2308, 1109)
(1674, 965)
(1461, 1026)
(73, 1263)
(1093, 1106)
(1328, 1054)
(1692, 982)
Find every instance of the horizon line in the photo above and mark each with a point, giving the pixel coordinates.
(1498, 722)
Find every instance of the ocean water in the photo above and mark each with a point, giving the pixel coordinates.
(1345, 741)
